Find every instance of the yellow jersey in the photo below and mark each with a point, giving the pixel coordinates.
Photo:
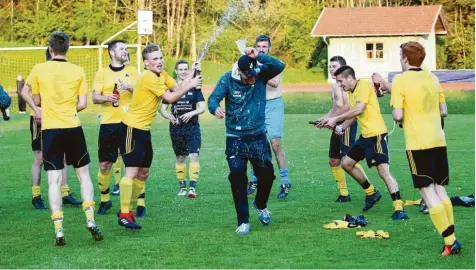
(59, 83)
(32, 112)
(419, 94)
(104, 81)
(146, 99)
(370, 120)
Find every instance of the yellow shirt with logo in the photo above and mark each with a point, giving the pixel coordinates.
(370, 120)
(59, 83)
(146, 99)
(104, 83)
(419, 94)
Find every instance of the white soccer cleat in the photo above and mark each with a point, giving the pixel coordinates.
(182, 192)
(243, 229)
(191, 193)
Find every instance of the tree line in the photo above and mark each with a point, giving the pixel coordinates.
(181, 26)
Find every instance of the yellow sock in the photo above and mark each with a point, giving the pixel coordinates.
(449, 211)
(141, 199)
(180, 171)
(104, 180)
(359, 167)
(57, 218)
(398, 205)
(370, 190)
(137, 187)
(117, 170)
(88, 208)
(339, 176)
(64, 191)
(440, 220)
(125, 191)
(35, 191)
(194, 171)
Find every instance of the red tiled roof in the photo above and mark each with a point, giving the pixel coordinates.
(376, 21)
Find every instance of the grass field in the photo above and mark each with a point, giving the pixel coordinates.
(199, 233)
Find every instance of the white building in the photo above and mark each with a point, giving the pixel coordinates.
(369, 38)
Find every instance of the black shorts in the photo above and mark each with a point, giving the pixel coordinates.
(249, 146)
(340, 144)
(186, 139)
(108, 142)
(136, 147)
(373, 149)
(429, 166)
(61, 143)
(35, 131)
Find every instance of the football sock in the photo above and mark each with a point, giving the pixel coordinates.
(64, 191)
(141, 199)
(57, 218)
(194, 172)
(449, 210)
(137, 187)
(35, 191)
(88, 208)
(440, 220)
(104, 180)
(125, 194)
(368, 188)
(183, 184)
(117, 170)
(339, 176)
(283, 173)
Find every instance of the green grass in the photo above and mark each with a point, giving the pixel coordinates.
(199, 233)
(13, 63)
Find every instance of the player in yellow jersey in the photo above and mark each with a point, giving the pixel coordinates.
(35, 130)
(61, 90)
(340, 143)
(153, 86)
(372, 144)
(122, 78)
(418, 100)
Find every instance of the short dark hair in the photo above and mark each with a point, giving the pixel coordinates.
(112, 45)
(339, 59)
(180, 62)
(48, 55)
(59, 42)
(414, 52)
(345, 71)
(149, 49)
(263, 37)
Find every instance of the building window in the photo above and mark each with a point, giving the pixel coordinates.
(374, 50)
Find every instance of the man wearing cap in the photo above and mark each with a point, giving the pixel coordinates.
(244, 91)
(274, 122)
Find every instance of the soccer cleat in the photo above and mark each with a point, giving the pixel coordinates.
(263, 216)
(104, 206)
(71, 200)
(243, 229)
(422, 207)
(128, 221)
(284, 191)
(252, 187)
(399, 215)
(96, 233)
(59, 238)
(182, 192)
(455, 248)
(140, 211)
(38, 203)
(343, 199)
(115, 190)
(191, 193)
(371, 200)
(5, 115)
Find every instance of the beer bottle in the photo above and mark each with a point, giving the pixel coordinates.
(197, 73)
(116, 93)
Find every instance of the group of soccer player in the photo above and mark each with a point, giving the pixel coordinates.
(419, 106)
(254, 113)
